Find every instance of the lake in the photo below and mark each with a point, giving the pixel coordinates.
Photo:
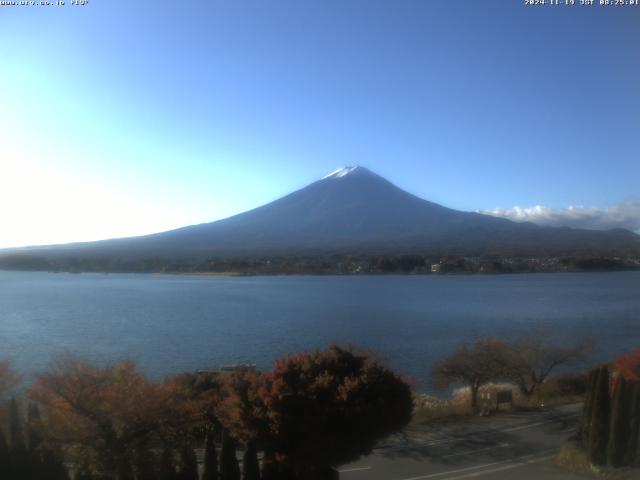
(183, 323)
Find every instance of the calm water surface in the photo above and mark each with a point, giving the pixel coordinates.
(177, 323)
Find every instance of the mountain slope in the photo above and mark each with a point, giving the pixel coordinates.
(352, 210)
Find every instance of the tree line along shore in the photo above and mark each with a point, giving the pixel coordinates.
(342, 264)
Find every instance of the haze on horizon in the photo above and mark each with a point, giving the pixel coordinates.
(121, 119)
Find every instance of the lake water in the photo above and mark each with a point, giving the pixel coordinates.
(183, 323)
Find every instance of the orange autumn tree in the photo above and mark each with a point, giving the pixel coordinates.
(8, 378)
(187, 418)
(242, 414)
(99, 415)
(316, 411)
(241, 409)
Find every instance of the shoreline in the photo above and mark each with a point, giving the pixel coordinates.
(320, 274)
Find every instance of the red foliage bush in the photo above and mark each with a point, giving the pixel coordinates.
(627, 366)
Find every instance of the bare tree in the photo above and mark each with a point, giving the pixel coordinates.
(534, 357)
(473, 366)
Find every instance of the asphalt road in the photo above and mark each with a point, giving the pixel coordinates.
(502, 446)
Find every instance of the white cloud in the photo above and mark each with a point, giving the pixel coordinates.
(626, 215)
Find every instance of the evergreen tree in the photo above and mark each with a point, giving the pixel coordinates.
(619, 429)
(188, 463)
(632, 456)
(587, 409)
(15, 427)
(83, 473)
(273, 470)
(229, 469)
(269, 467)
(125, 471)
(323, 473)
(53, 466)
(250, 466)
(600, 419)
(44, 463)
(18, 461)
(144, 462)
(4, 456)
(34, 427)
(35, 465)
(167, 465)
(210, 458)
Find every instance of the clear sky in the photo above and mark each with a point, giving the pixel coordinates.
(128, 117)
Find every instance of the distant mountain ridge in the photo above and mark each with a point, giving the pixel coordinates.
(352, 210)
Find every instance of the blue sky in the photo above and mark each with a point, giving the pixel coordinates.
(122, 118)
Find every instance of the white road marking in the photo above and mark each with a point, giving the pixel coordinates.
(471, 452)
(432, 475)
(531, 425)
(486, 433)
(520, 461)
(462, 438)
(354, 469)
(501, 469)
(524, 427)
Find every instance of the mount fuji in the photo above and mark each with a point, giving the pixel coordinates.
(351, 210)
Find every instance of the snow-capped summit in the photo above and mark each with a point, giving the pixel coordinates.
(343, 172)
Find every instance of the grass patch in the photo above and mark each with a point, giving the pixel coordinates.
(428, 408)
(575, 460)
